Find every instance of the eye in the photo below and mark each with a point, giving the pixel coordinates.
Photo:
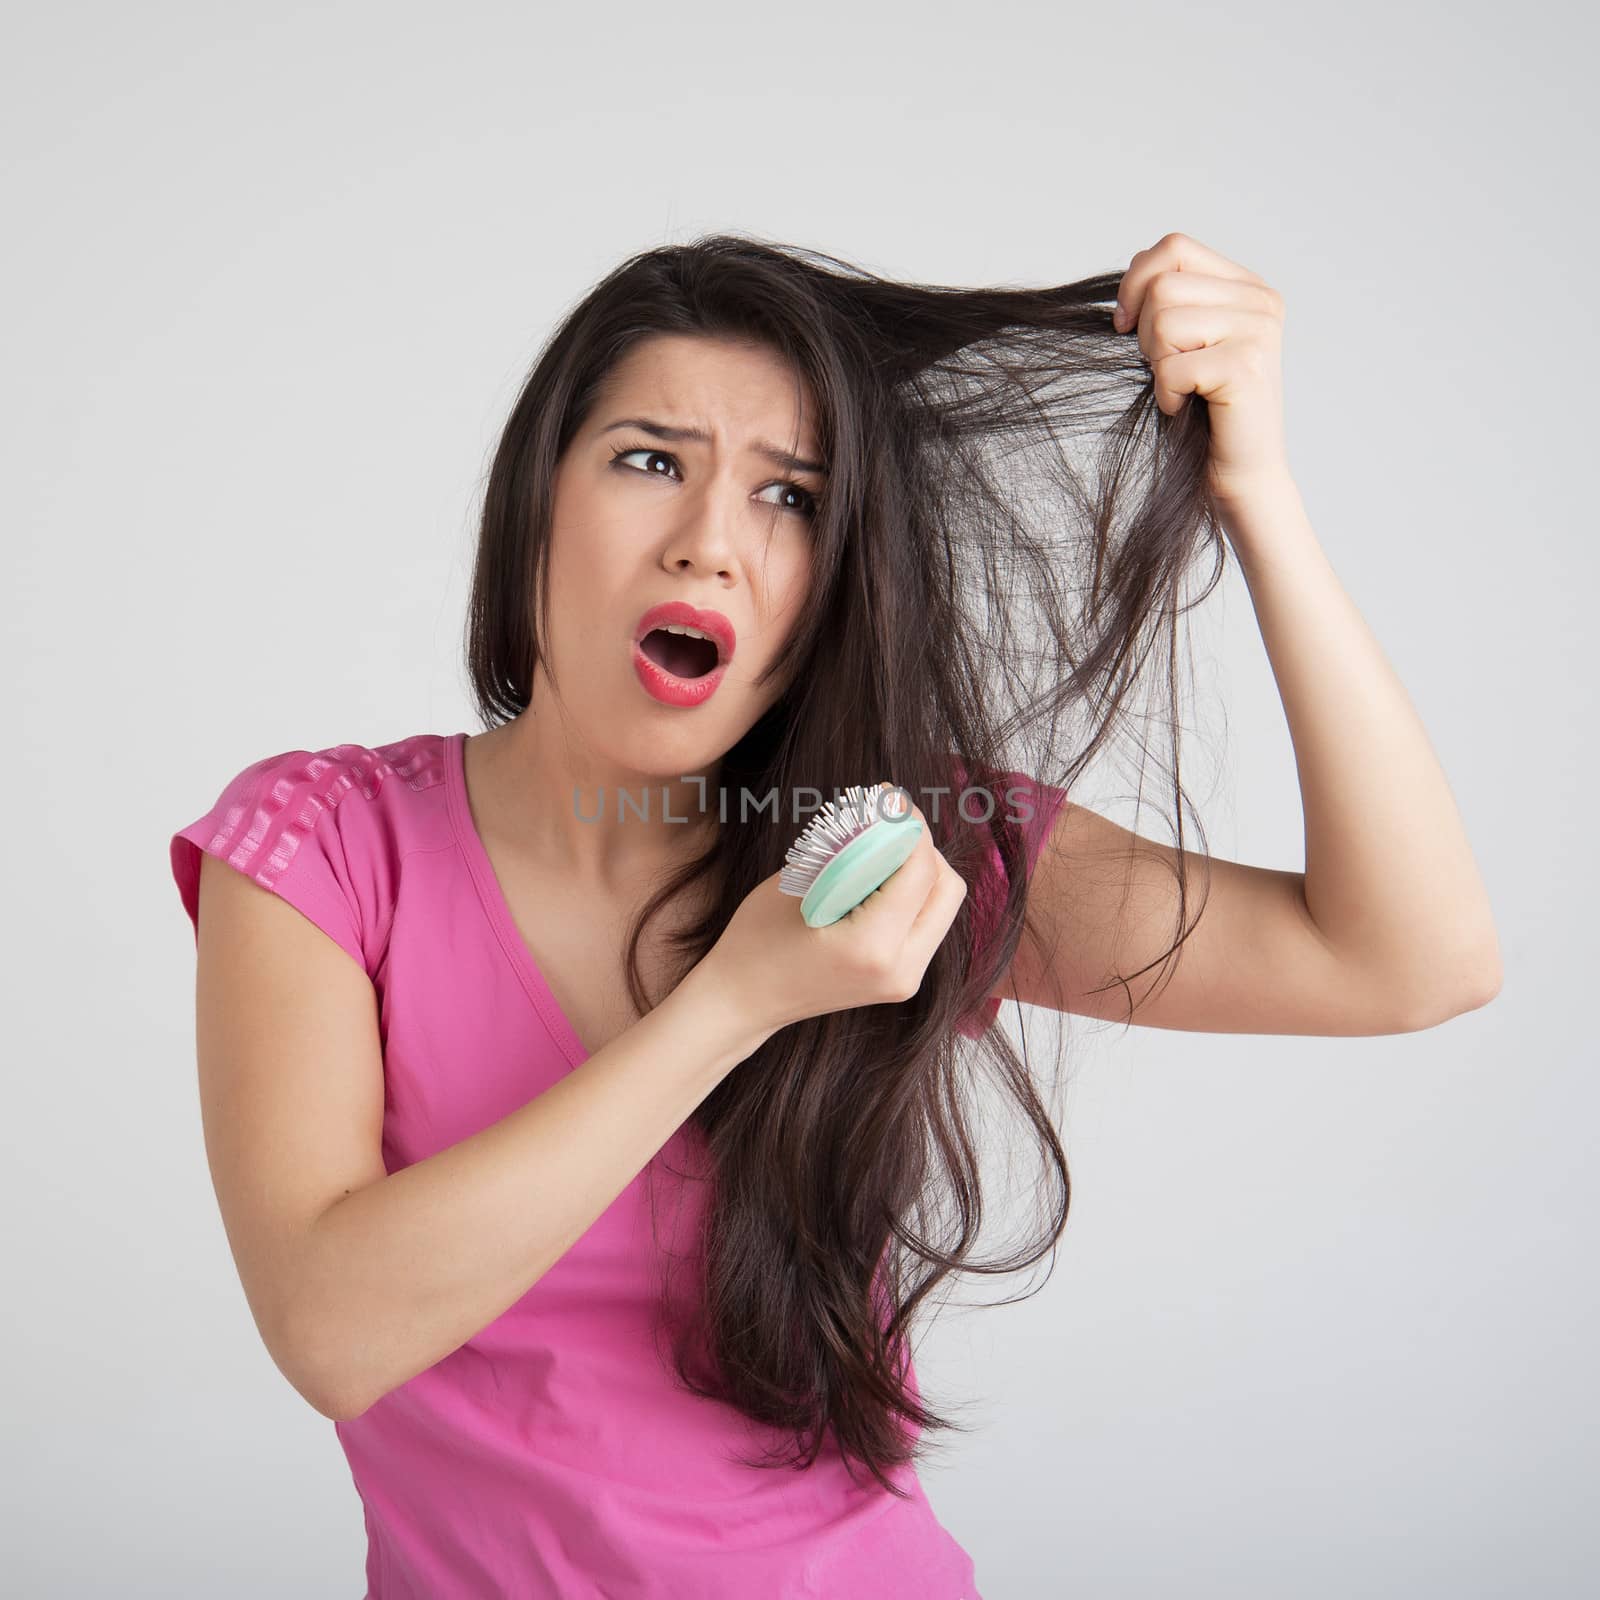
(618, 455)
(808, 501)
(807, 506)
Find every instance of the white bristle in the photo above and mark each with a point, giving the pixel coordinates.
(833, 827)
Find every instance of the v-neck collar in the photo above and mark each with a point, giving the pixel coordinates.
(492, 898)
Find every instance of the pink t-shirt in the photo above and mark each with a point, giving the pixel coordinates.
(553, 1453)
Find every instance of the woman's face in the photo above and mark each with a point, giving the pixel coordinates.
(641, 518)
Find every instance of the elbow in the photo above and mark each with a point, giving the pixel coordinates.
(1488, 984)
(336, 1403)
(323, 1404)
(318, 1374)
(1479, 974)
(339, 1410)
(1450, 989)
(328, 1399)
(325, 1396)
(339, 1396)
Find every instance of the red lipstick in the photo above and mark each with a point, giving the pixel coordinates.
(669, 687)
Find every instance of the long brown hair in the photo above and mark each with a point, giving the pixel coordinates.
(1001, 557)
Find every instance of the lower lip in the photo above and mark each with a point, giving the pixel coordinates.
(670, 689)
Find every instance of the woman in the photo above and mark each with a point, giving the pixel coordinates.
(522, 1060)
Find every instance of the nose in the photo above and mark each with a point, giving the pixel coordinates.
(706, 538)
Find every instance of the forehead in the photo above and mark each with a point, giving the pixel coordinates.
(728, 386)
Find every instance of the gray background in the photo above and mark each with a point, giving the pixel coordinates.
(1322, 1322)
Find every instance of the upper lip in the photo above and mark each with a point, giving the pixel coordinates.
(688, 616)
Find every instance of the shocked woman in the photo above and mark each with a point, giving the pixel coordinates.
(589, 1189)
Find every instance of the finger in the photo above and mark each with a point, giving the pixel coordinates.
(1169, 291)
(1212, 373)
(1167, 329)
(904, 890)
(1176, 252)
(932, 922)
(902, 893)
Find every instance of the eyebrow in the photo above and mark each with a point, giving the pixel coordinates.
(662, 430)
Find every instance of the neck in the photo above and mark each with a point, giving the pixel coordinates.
(556, 800)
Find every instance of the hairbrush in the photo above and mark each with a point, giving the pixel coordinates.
(848, 850)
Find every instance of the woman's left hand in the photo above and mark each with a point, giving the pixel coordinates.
(1208, 326)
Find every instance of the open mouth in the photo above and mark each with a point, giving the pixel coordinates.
(685, 654)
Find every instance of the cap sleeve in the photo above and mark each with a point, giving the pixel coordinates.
(277, 823)
(1032, 807)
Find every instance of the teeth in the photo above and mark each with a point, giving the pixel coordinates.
(693, 633)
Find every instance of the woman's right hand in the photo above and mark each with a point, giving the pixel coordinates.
(779, 969)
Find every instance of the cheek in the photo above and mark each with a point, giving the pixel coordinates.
(588, 574)
(792, 591)
(790, 597)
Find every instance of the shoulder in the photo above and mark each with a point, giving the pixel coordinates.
(326, 829)
(1026, 808)
(1025, 804)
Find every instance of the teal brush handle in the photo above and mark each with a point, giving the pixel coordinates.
(862, 866)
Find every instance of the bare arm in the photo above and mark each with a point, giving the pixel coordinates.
(404, 1271)
(1390, 883)
(359, 1279)
(1388, 929)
